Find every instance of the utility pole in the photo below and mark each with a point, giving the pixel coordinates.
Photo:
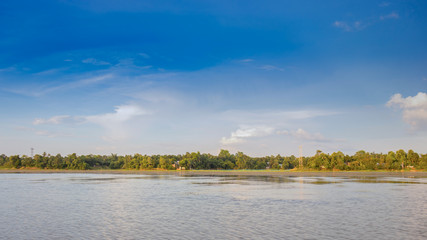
(32, 152)
(300, 157)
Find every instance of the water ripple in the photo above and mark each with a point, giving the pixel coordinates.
(81, 206)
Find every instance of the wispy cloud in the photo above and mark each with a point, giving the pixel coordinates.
(8, 69)
(95, 61)
(271, 68)
(342, 25)
(349, 27)
(46, 133)
(127, 63)
(392, 15)
(354, 26)
(57, 120)
(282, 132)
(414, 109)
(121, 114)
(76, 84)
(246, 60)
(384, 4)
(37, 91)
(256, 124)
(144, 55)
(304, 135)
(114, 123)
(273, 116)
(50, 71)
(39, 132)
(245, 132)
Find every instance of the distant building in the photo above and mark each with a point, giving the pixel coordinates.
(177, 167)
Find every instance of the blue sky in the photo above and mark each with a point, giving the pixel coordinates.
(262, 77)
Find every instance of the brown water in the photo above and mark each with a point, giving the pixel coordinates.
(107, 206)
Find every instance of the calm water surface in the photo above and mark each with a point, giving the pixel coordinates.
(107, 206)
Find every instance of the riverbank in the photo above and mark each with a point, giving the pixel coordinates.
(286, 173)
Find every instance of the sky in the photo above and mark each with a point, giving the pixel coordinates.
(170, 77)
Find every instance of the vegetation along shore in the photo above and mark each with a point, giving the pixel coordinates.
(337, 161)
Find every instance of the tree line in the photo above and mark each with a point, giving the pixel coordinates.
(361, 160)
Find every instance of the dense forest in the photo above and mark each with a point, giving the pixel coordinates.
(361, 160)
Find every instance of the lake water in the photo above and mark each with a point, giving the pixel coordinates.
(107, 206)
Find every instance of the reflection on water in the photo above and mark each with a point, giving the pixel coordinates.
(108, 206)
(305, 180)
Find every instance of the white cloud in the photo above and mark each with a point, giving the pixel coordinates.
(44, 133)
(246, 60)
(271, 68)
(384, 4)
(272, 117)
(95, 61)
(115, 123)
(144, 55)
(53, 120)
(414, 109)
(269, 123)
(158, 97)
(349, 27)
(37, 91)
(342, 25)
(245, 132)
(121, 114)
(8, 69)
(130, 63)
(352, 26)
(304, 135)
(76, 84)
(282, 132)
(392, 15)
(50, 71)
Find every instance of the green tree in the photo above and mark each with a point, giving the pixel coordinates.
(413, 158)
(391, 161)
(40, 161)
(147, 162)
(126, 161)
(423, 162)
(226, 160)
(165, 162)
(15, 161)
(27, 161)
(320, 161)
(241, 160)
(401, 158)
(275, 161)
(3, 160)
(337, 161)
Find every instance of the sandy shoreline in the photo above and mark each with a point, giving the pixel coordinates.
(421, 174)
